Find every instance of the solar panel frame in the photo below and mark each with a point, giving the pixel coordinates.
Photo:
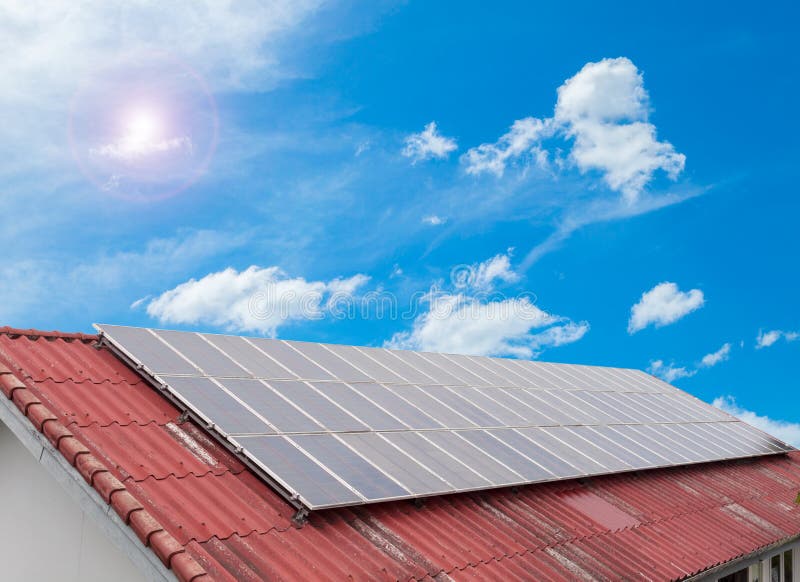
(281, 413)
(306, 482)
(359, 406)
(363, 477)
(257, 363)
(203, 355)
(529, 470)
(404, 469)
(410, 415)
(232, 415)
(439, 461)
(473, 445)
(328, 360)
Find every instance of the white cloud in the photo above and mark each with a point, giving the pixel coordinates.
(767, 338)
(788, 432)
(669, 372)
(662, 305)
(433, 220)
(715, 358)
(597, 210)
(462, 325)
(466, 320)
(254, 300)
(486, 273)
(428, 144)
(363, 147)
(124, 150)
(604, 110)
(139, 302)
(234, 45)
(521, 139)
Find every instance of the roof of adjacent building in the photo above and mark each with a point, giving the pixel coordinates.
(205, 515)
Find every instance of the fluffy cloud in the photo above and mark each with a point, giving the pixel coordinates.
(465, 320)
(484, 275)
(254, 300)
(788, 432)
(522, 139)
(715, 358)
(428, 144)
(767, 338)
(669, 372)
(662, 305)
(604, 111)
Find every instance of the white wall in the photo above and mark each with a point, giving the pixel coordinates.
(44, 535)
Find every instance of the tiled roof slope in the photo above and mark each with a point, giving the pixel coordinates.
(207, 517)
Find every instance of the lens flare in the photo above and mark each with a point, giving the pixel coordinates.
(146, 132)
(142, 128)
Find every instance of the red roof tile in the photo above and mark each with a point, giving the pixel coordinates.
(205, 515)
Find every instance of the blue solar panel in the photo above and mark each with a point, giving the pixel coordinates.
(338, 425)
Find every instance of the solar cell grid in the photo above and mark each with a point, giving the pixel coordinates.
(339, 425)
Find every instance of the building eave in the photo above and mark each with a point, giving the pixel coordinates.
(87, 498)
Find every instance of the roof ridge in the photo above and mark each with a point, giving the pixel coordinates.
(149, 530)
(53, 334)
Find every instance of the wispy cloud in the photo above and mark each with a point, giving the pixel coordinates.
(672, 371)
(232, 47)
(714, 358)
(236, 46)
(766, 339)
(581, 213)
(788, 432)
(662, 305)
(428, 144)
(124, 150)
(433, 220)
(59, 286)
(669, 372)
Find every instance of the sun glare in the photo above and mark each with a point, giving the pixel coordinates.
(145, 132)
(142, 128)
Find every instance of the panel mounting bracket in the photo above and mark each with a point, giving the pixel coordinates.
(300, 518)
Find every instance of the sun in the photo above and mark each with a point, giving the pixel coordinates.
(142, 127)
(145, 131)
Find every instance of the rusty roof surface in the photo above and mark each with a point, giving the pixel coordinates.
(207, 516)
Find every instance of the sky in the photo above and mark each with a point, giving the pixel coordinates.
(589, 184)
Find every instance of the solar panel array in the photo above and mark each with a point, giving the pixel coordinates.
(334, 425)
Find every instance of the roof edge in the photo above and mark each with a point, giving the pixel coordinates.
(130, 526)
(732, 565)
(15, 332)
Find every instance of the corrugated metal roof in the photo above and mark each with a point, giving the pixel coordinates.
(206, 515)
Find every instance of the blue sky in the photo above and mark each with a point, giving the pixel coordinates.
(184, 166)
